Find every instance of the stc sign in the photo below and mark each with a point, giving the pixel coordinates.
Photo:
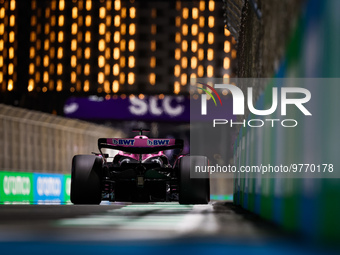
(147, 108)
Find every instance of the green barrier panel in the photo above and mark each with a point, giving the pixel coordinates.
(16, 187)
(67, 182)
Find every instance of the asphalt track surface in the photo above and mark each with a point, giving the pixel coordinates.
(154, 228)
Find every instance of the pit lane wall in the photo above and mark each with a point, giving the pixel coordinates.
(34, 188)
(307, 206)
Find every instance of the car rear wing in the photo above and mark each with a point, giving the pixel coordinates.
(140, 146)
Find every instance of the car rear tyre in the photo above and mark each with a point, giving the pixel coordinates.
(86, 179)
(193, 191)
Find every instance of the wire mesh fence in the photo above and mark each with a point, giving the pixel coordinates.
(37, 142)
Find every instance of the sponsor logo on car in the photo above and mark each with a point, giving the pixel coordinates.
(158, 142)
(128, 142)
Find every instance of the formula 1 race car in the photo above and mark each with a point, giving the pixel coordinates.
(140, 172)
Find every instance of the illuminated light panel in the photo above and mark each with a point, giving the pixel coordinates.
(44, 89)
(102, 12)
(2, 45)
(88, 21)
(153, 13)
(211, 5)
(177, 87)
(116, 53)
(210, 38)
(194, 13)
(177, 70)
(226, 80)
(123, 29)
(52, 52)
(61, 5)
(10, 85)
(2, 13)
(46, 44)
(131, 78)
(226, 32)
(201, 21)
(121, 78)
(201, 38)
(12, 20)
(87, 37)
(37, 77)
(108, 20)
(122, 62)
(101, 45)
(202, 5)
(87, 69)
(60, 52)
(132, 29)
(45, 77)
(101, 28)
(194, 46)
(153, 45)
(177, 54)
(132, 45)
(211, 21)
(60, 36)
(86, 86)
(193, 62)
(152, 62)
(108, 37)
(74, 12)
(117, 5)
(193, 77)
(131, 62)
(178, 21)
(178, 38)
(74, 45)
(11, 53)
(10, 69)
(51, 68)
(141, 96)
(115, 69)
(185, 29)
(59, 69)
(184, 79)
(46, 61)
(210, 71)
(200, 71)
(115, 86)
(88, 5)
(184, 45)
(87, 52)
(152, 78)
(226, 63)
(194, 29)
(2, 28)
(107, 53)
(107, 69)
(200, 54)
(117, 21)
(47, 29)
(30, 85)
(132, 12)
(226, 46)
(73, 61)
(210, 54)
(184, 62)
(122, 45)
(101, 77)
(107, 88)
(123, 13)
(185, 13)
(233, 54)
(61, 20)
(116, 37)
(153, 29)
(31, 68)
(11, 36)
(101, 61)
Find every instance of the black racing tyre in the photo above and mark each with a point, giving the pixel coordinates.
(86, 179)
(193, 190)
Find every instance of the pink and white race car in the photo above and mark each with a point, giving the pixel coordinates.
(140, 172)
